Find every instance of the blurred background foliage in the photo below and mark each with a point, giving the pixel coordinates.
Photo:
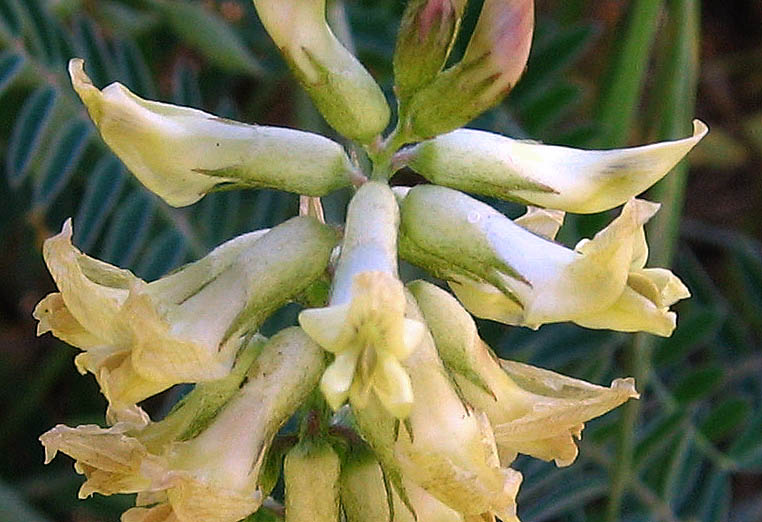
(602, 74)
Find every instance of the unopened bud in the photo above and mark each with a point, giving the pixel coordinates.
(311, 474)
(426, 36)
(344, 92)
(492, 64)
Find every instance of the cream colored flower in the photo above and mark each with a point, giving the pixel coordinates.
(505, 272)
(364, 324)
(207, 472)
(140, 338)
(182, 153)
(532, 411)
(574, 180)
(444, 446)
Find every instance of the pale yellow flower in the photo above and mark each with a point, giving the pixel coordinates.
(311, 476)
(505, 272)
(365, 324)
(140, 338)
(532, 411)
(207, 474)
(444, 446)
(573, 180)
(182, 153)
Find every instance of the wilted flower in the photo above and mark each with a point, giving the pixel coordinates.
(502, 271)
(343, 91)
(532, 411)
(492, 64)
(365, 324)
(574, 180)
(141, 338)
(209, 474)
(182, 153)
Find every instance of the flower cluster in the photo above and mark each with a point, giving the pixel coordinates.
(404, 411)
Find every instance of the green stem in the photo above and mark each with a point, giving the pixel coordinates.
(675, 96)
(621, 89)
(381, 154)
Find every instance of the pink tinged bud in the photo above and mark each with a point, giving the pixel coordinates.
(504, 35)
(492, 64)
(427, 33)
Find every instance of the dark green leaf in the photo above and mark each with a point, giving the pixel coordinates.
(681, 470)
(91, 46)
(218, 217)
(578, 491)
(550, 58)
(65, 152)
(747, 448)
(697, 325)
(10, 19)
(121, 18)
(13, 506)
(11, 65)
(133, 70)
(103, 187)
(716, 498)
(42, 32)
(698, 383)
(27, 133)
(621, 87)
(658, 436)
(725, 418)
(164, 253)
(209, 34)
(550, 106)
(129, 228)
(185, 88)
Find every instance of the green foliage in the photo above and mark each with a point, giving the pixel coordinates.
(699, 419)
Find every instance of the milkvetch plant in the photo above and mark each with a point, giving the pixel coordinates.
(403, 411)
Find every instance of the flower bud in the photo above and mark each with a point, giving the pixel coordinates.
(364, 324)
(213, 476)
(574, 180)
(344, 92)
(444, 446)
(455, 341)
(182, 153)
(311, 474)
(367, 497)
(532, 411)
(426, 36)
(492, 64)
(141, 338)
(501, 271)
